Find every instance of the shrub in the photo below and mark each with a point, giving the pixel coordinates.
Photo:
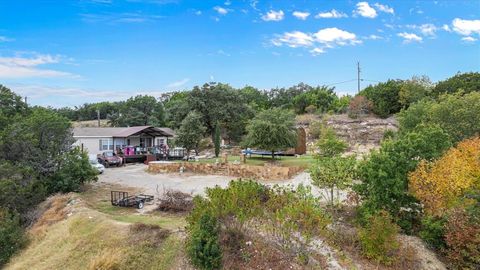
(439, 184)
(75, 170)
(359, 106)
(432, 231)
(315, 129)
(329, 144)
(12, 237)
(458, 115)
(384, 96)
(462, 236)
(378, 238)
(311, 109)
(203, 246)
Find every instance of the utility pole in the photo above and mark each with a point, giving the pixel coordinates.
(358, 76)
(98, 117)
(26, 101)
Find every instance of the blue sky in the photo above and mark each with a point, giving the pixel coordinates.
(65, 53)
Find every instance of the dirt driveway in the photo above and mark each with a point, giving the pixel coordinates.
(136, 176)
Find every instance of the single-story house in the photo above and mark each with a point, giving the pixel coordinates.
(96, 140)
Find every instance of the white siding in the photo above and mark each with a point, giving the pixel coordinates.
(90, 144)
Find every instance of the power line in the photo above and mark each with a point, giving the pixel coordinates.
(341, 82)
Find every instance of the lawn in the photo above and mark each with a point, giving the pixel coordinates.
(301, 161)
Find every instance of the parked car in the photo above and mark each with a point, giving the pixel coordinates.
(97, 166)
(109, 158)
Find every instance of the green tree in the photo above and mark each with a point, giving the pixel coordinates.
(139, 111)
(217, 140)
(11, 105)
(256, 99)
(384, 175)
(414, 90)
(272, 130)
(203, 245)
(384, 96)
(12, 237)
(333, 173)
(190, 132)
(461, 82)
(329, 145)
(74, 171)
(458, 115)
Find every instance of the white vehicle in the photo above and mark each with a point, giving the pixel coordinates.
(95, 164)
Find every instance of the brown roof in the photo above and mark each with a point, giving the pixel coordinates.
(121, 131)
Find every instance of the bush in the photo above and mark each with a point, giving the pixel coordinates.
(203, 246)
(432, 231)
(385, 97)
(75, 170)
(462, 236)
(315, 129)
(378, 238)
(359, 106)
(12, 237)
(311, 109)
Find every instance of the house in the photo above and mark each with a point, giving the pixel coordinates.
(96, 140)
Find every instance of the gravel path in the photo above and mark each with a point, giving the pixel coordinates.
(136, 176)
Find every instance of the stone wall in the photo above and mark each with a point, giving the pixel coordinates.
(266, 172)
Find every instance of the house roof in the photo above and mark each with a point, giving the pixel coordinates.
(121, 131)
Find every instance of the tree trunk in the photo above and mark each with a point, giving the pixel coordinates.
(273, 154)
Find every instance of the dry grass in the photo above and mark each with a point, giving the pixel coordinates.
(89, 239)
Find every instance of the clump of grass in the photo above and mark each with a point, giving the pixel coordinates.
(107, 260)
(147, 234)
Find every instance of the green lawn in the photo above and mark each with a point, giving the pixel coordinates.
(302, 161)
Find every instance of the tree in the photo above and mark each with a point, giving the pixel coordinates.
(458, 115)
(256, 99)
(333, 173)
(384, 175)
(11, 104)
(461, 82)
(328, 144)
(439, 184)
(384, 96)
(191, 131)
(272, 130)
(217, 140)
(12, 237)
(220, 103)
(139, 111)
(203, 245)
(414, 90)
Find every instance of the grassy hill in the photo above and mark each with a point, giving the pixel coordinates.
(76, 232)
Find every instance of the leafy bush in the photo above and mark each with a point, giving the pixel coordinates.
(203, 246)
(384, 96)
(315, 129)
(384, 174)
(311, 109)
(329, 145)
(75, 170)
(458, 115)
(465, 82)
(432, 231)
(462, 236)
(439, 184)
(359, 106)
(378, 238)
(11, 235)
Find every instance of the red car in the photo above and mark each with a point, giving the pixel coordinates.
(109, 158)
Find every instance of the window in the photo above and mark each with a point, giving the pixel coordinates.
(160, 141)
(105, 144)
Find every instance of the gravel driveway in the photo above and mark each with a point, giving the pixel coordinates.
(136, 176)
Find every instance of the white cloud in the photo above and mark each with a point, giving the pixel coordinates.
(294, 39)
(5, 39)
(113, 18)
(337, 36)
(227, 3)
(409, 37)
(466, 27)
(221, 10)
(319, 41)
(301, 15)
(426, 29)
(178, 84)
(469, 39)
(446, 28)
(365, 10)
(373, 37)
(273, 15)
(317, 51)
(384, 8)
(331, 14)
(25, 67)
(198, 12)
